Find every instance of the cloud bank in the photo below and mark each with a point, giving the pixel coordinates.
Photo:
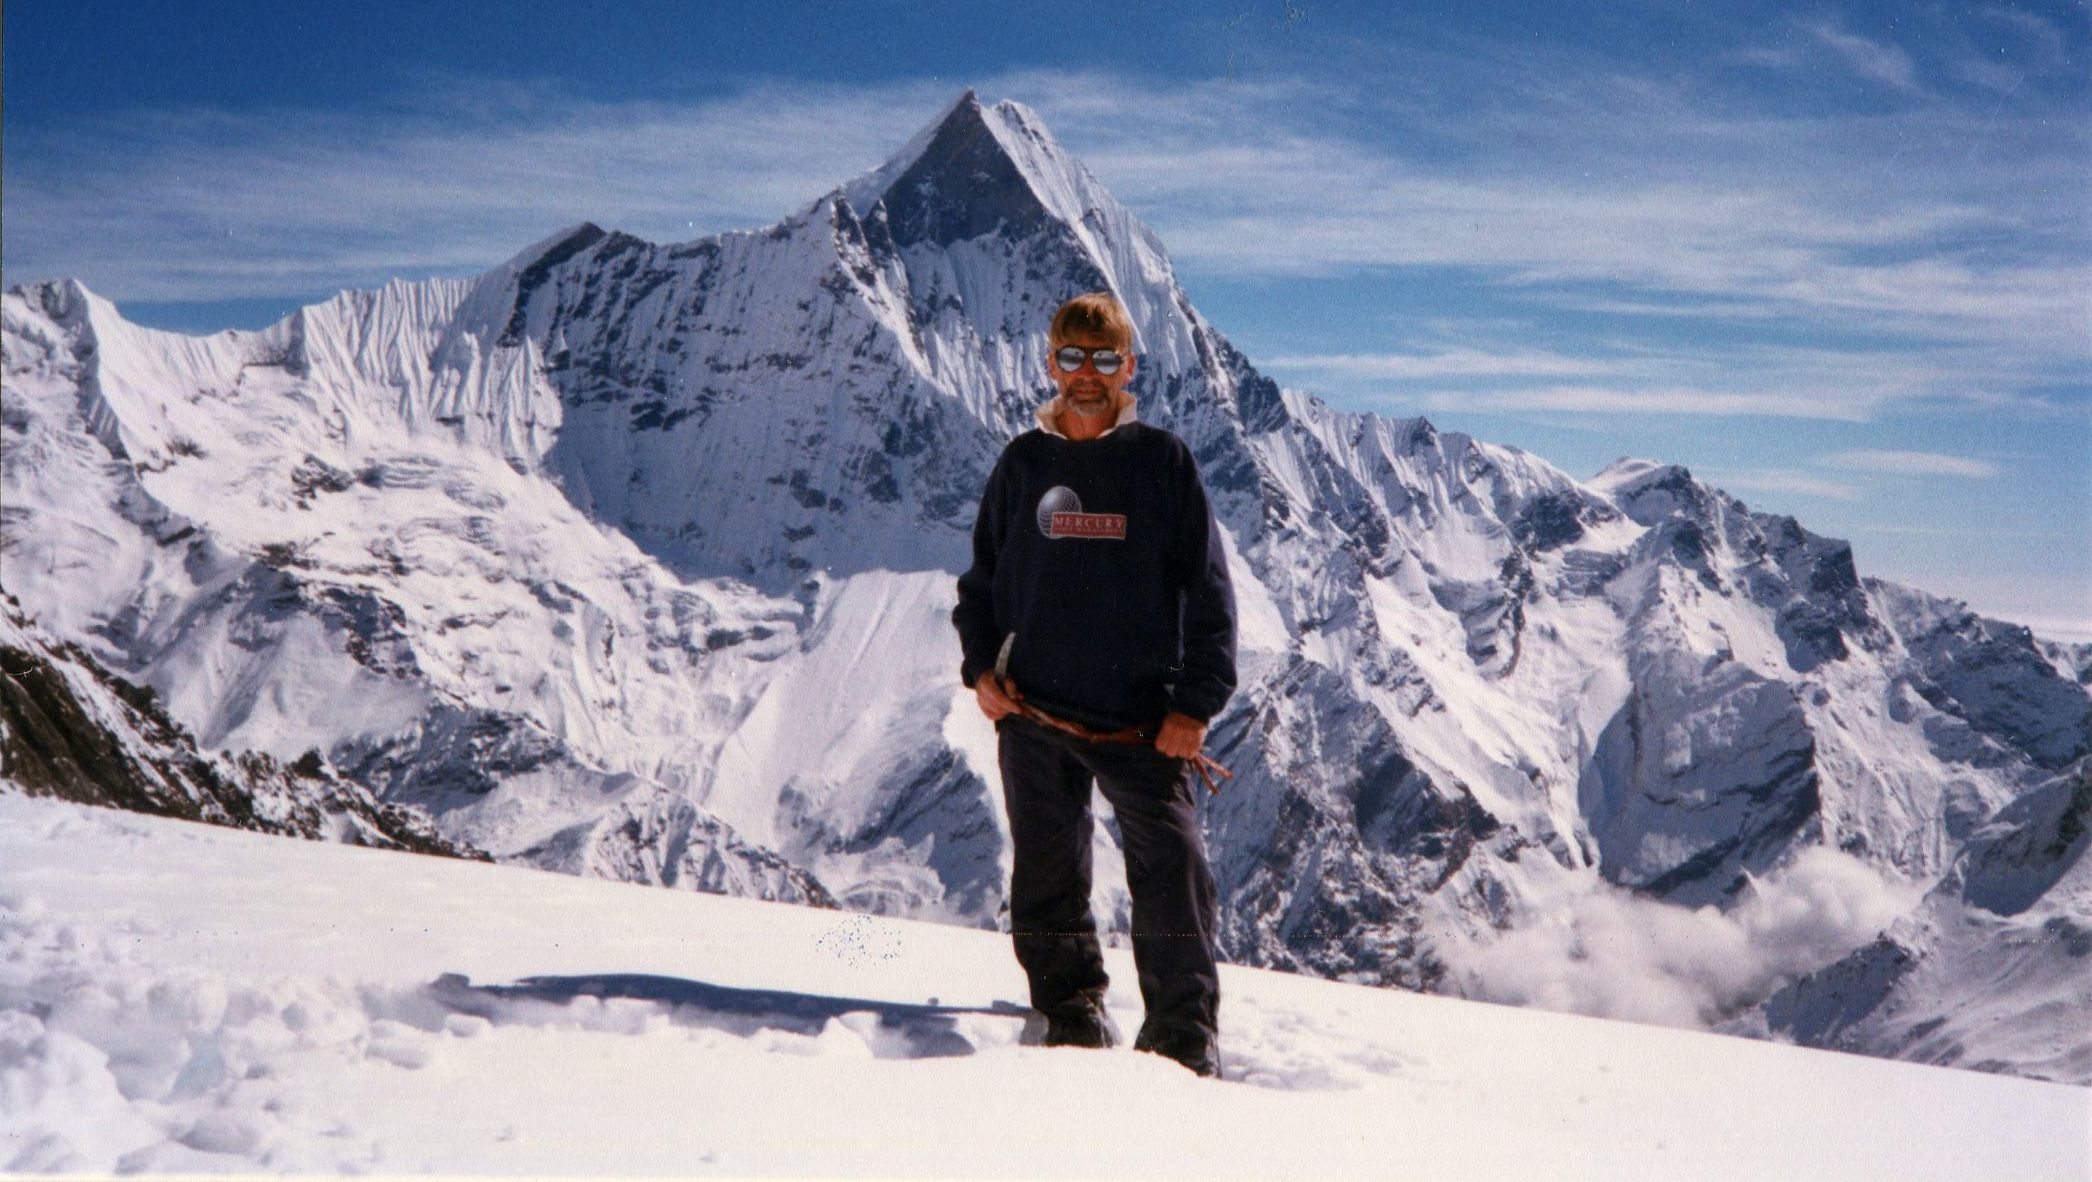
(1610, 954)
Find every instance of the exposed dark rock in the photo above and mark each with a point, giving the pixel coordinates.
(964, 185)
(534, 275)
(1548, 521)
(127, 753)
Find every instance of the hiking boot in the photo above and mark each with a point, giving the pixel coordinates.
(1194, 1049)
(1079, 1022)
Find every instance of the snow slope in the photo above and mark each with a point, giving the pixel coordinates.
(175, 997)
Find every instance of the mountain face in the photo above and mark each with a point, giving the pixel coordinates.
(2011, 915)
(635, 560)
(71, 730)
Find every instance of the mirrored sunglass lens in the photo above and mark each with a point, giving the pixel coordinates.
(1070, 357)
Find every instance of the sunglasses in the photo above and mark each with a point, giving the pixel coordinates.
(1070, 358)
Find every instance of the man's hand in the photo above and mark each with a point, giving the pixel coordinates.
(1181, 736)
(995, 699)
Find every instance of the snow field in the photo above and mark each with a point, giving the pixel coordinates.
(179, 998)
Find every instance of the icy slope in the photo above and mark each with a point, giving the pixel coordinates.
(379, 1012)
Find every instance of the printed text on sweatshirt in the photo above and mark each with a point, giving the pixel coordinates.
(1103, 558)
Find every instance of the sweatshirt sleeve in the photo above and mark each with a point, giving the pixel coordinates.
(974, 616)
(1199, 566)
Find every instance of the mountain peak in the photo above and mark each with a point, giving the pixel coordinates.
(63, 300)
(865, 191)
(963, 184)
(564, 244)
(1649, 491)
(975, 169)
(1625, 470)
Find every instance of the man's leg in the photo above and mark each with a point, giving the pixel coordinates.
(1174, 900)
(1047, 793)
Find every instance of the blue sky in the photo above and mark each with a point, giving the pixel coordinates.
(1836, 259)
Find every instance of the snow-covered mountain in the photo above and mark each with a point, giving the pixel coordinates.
(69, 729)
(1989, 972)
(634, 560)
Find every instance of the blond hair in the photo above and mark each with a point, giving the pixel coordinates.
(1098, 315)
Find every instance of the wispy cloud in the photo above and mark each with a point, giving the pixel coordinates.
(2048, 45)
(1870, 223)
(1859, 220)
(1883, 63)
(1989, 530)
(2068, 629)
(1908, 463)
(1489, 370)
(1447, 363)
(187, 205)
(1656, 400)
(1663, 204)
(2007, 49)
(1783, 480)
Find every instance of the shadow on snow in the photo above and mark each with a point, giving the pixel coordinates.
(897, 1029)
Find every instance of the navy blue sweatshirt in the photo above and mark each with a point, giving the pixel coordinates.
(1102, 556)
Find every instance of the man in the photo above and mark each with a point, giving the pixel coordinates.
(1097, 625)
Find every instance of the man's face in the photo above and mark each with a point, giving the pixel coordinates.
(1087, 392)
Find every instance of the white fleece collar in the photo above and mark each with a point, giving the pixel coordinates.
(1050, 415)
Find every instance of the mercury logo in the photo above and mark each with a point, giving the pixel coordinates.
(1061, 516)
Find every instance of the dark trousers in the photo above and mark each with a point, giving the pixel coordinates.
(1046, 778)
